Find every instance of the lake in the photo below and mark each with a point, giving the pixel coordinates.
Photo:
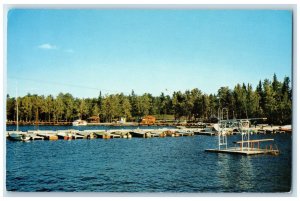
(143, 165)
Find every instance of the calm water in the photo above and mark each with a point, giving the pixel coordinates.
(144, 165)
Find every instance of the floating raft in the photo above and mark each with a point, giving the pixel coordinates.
(248, 150)
(245, 151)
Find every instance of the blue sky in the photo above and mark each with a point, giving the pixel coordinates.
(153, 51)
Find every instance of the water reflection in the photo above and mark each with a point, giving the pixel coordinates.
(223, 170)
(246, 168)
(235, 172)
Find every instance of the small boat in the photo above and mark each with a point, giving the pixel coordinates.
(18, 136)
(286, 128)
(79, 122)
(64, 135)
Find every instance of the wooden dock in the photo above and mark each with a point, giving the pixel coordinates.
(204, 133)
(102, 134)
(139, 133)
(252, 147)
(48, 136)
(72, 134)
(35, 137)
(244, 151)
(121, 133)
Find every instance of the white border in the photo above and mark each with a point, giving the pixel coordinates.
(160, 4)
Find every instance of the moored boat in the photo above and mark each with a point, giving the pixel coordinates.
(18, 136)
(286, 128)
(79, 122)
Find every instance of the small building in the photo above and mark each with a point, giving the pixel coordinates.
(94, 119)
(148, 120)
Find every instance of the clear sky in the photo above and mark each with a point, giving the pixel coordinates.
(153, 51)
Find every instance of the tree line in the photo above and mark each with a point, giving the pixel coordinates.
(270, 99)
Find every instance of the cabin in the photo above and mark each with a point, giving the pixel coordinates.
(94, 119)
(148, 120)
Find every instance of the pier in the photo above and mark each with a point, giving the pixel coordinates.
(244, 151)
(227, 127)
(180, 131)
(252, 148)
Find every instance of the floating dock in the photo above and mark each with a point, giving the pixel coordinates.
(72, 134)
(252, 148)
(204, 133)
(35, 137)
(244, 151)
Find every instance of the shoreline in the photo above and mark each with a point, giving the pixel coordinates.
(192, 125)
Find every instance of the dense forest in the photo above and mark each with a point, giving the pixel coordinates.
(271, 99)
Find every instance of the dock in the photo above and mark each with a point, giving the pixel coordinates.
(140, 134)
(102, 134)
(35, 137)
(204, 133)
(121, 133)
(48, 136)
(72, 134)
(252, 147)
(227, 127)
(244, 151)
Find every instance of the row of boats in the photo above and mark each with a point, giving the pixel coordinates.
(104, 134)
(128, 133)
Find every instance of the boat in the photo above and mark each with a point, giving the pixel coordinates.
(286, 128)
(18, 136)
(64, 135)
(79, 122)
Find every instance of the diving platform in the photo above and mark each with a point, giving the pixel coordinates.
(252, 148)
(246, 146)
(245, 151)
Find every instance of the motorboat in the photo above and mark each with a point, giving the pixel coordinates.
(18, 136)
(79, 122)
(286, 128)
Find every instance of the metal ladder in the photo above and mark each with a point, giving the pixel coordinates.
(222, 135)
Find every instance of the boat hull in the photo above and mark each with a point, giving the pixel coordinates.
(18, 137)
(79, 123)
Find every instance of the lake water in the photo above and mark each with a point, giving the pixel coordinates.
(144, 165)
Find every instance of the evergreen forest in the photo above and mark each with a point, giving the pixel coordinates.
(271, 99)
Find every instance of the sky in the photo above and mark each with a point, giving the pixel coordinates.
(83, 52)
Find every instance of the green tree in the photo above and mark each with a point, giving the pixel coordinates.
(110, 107)
(252, 102)
(47, 107)
(133, 103)
(261, 97)
(143, 105)
(83, 109)
(125, 107)
(26, 108)
(177, 102)
(197, 110)
(58, 109)
(270, 102)
(10, 108)
(240, 103)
